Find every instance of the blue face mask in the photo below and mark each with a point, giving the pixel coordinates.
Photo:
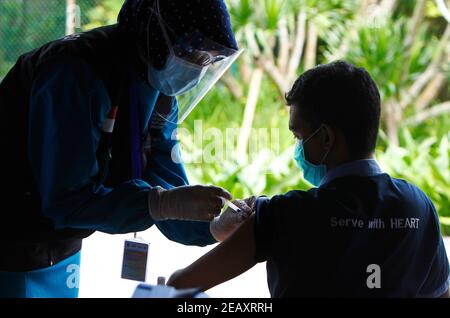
(177, 77)
(311, 172)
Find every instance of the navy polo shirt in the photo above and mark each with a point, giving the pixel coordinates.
(361, 233)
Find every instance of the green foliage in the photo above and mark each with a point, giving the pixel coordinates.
(424, 163)
(21, 31)
(266, 173)
(26, 25)
(273, 11)
(241, 12)
(263, 176)
(104, 13)
(326, 14)
(380, 49)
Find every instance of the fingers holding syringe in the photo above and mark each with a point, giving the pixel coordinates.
(244, 210)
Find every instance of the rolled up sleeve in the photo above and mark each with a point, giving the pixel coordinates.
(265, 228)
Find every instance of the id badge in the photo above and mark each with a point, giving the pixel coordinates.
(135, 256)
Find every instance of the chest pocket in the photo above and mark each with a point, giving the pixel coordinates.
(164, 107)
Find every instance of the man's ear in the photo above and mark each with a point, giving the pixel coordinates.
(328, 136)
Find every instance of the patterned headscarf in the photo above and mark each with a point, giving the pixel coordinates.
(209, 17)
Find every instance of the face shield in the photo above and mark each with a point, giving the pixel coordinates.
(215, 60)
(193, 66)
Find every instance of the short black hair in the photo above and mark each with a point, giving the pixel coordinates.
(343, 96)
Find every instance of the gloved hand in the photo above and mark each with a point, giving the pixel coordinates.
(195, 203)
(225, 224)
(251, 201)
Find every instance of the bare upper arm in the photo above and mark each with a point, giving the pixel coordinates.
(227, 260)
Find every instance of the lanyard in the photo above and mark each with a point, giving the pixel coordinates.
(135, 136)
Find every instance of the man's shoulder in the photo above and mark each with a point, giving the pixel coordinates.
(98, 48)
(409, 191)
(292, 199)
(63, 71)
(383, 184)
(87, 44)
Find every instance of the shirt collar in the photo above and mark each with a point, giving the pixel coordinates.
(361, 168)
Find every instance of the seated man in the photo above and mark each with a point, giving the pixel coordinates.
(359, 233)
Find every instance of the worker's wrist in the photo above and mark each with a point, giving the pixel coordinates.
(154, 203)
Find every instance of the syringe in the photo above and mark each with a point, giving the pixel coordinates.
(233, 207)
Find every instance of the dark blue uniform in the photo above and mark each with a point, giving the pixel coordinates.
(360, 234)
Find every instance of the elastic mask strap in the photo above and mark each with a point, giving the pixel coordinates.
(166, 119)
(325, 156)
(314, 133)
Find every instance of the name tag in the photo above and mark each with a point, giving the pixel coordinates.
(135, 257)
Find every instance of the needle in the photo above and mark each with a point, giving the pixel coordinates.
(233, 207)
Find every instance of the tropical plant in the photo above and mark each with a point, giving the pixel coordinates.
(104, 13)
(425, 164)
(410, 66)
(280, 38)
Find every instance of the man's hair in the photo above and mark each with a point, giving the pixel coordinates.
(343, 96)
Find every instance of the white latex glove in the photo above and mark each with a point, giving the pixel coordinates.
(251, 201)
(195, 203)
(227, 222)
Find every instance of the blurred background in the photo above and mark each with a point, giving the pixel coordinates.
(404, 44)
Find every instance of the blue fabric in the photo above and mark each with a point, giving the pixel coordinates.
(363, 168)
(58, 281)
(67, 107)
(320, 242)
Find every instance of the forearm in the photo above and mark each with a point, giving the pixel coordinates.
(229, 259)
(186, 232)
(123, 209)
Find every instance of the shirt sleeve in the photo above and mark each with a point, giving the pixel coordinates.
(267, 225)
(67, 107)
(165, 168)
(278, 222)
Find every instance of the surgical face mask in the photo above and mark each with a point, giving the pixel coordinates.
(311, 172)
(178, 75)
